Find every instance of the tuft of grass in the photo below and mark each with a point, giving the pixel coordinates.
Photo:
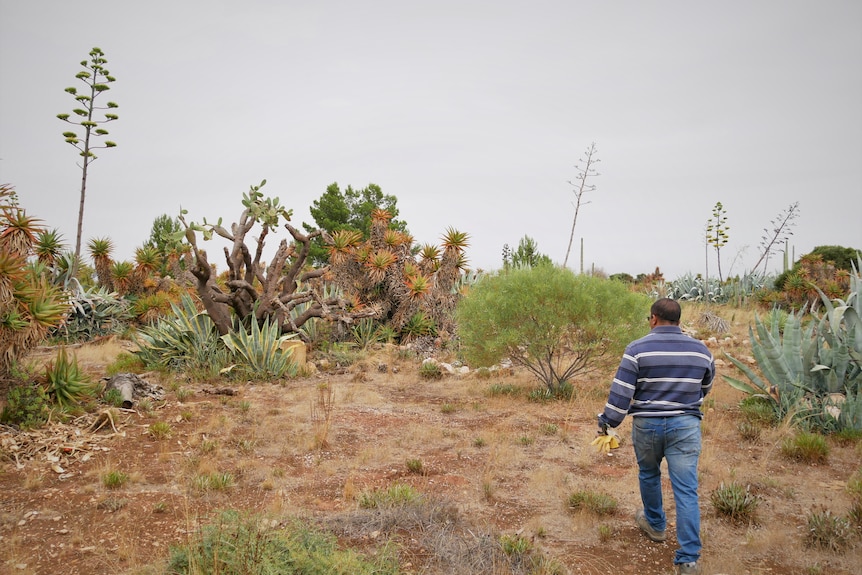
(749, 431)
(525, 440)
(504, 389)
(114, 479)
(146, 406)
(806, 447)
(125, 362)
(160, 430)
(483, 373)
(113, 397)
(759, 411)
(606, 532)
(112, 504)
(430, 370)
(479, 442)
(236, 544)
(447, 408)
(213, 482)
(397, 495)
(549, 429)
(735, 502)
(515, 545)
(415, 466)
(828, 531)
(600, 504)
(183, 393)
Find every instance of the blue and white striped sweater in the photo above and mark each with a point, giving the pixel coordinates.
(665, 373)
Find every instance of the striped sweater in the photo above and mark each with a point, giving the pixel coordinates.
(665, 373)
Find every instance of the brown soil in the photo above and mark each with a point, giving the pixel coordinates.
(507, 465)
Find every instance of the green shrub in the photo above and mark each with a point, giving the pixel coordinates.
(600, 504)
(26, 406)
(418, 325)
(548, 320)
(735, 502)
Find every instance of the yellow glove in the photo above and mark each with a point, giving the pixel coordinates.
(604, 443)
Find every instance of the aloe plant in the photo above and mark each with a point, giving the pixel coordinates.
(260, 349)
(66, 382)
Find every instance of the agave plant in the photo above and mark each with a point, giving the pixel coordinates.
(841, 324)
(261, 349)
(188, 339)
(95, 312)
(803, 373)
(781, 358)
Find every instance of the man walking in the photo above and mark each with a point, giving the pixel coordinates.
(661, 382)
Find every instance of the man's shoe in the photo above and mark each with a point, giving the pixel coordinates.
(653, 534)
(688, 569)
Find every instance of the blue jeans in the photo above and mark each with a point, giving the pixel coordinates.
(678, 440)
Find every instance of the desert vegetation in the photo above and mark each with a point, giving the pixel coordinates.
(390, 410)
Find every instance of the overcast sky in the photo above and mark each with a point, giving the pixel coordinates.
(473, 114)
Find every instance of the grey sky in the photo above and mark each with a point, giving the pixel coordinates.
(473, 114)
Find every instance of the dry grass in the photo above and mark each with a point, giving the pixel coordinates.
(312, 446)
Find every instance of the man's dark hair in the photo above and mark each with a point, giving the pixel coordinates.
(666, 309)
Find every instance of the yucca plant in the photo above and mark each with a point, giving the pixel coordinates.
(66, 382)
(261, 351)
